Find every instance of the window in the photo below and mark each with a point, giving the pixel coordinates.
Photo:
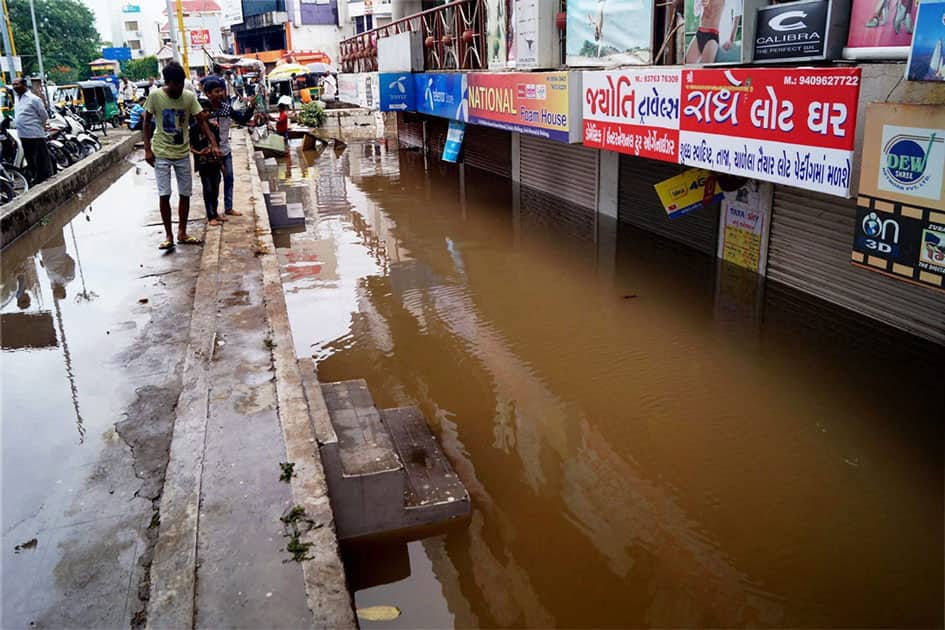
(363, 23)
(131, 26)
(134, 44)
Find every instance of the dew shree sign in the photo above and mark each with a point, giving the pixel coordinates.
(900, 219)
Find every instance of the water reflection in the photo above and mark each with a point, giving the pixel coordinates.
(649, 438)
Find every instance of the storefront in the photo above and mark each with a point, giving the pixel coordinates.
(488, 149)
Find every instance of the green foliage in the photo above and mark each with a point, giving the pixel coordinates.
(63, 74)
(312, 114)
(67, 35)
(144, 68)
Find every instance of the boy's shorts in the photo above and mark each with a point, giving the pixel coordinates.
(162, 173)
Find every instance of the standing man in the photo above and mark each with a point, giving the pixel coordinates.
(172, 107)
(30, 116)
(127, 93)
(221, 113)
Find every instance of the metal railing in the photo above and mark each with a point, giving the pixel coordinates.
(454, 38)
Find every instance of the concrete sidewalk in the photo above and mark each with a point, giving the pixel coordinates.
(221, 558)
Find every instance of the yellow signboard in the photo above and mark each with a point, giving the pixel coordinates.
(688, 191)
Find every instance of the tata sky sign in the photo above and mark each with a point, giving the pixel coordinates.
(436, 94)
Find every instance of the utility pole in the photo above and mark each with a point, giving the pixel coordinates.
(183, 36)
(172, 29)
(8, 25)
(39, 56)
(7, 45)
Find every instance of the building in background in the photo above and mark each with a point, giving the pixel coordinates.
(133, 24)
(203, 25)
(270, 29)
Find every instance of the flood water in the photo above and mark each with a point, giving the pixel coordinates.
(649, 439)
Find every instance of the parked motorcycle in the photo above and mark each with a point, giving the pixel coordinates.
(13, 157)
(75, 130)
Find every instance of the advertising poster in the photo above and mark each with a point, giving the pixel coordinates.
(443, 95)
(744, 221)
(927, 57)
(791, 126)
(498, 34)
(688, 191)
(537, 104)
(454, 141)
(527, 33)
(881, 24)
(348, 88)
(397, 92)
(633, 111)
(792, 31)
(609, 32)
(713, 31)
(900, 223)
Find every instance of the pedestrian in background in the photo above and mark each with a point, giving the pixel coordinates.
(168, 148)
(30, 116)
(137, 113)
(127, 93)
(207, 164)
(221, 114)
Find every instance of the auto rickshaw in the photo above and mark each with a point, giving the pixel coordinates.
(68, 95)
(99, 103)
(6, 102)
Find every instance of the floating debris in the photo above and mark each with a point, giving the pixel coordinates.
(379, 613)
(29, 544)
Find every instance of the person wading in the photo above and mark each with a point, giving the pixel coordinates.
(172, 108)
(30, 116)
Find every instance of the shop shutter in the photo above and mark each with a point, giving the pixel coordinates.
(638, 205)
(409, 134)
(567, 171)
(437, 129)
(809, 249)
(488, 149)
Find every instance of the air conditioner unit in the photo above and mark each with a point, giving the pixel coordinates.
(138, 33)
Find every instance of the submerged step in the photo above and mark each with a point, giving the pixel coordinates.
(431, 480)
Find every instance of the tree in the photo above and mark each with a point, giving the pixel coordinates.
(144, 68)
(67, 36)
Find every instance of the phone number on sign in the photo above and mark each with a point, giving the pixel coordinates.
(821, 79)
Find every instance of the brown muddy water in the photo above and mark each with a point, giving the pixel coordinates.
(650, 439)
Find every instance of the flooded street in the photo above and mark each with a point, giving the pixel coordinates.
(649, 440)
(93, 326)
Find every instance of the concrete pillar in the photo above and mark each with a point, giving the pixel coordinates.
(607, 185)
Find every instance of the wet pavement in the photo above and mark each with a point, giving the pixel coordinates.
(650, 439)
(94, 323)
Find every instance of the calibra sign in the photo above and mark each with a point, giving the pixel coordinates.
(790, 126)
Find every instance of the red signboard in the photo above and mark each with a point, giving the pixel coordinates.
(200, 37)
(792, 126)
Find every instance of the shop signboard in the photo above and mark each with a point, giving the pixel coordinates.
(807, 30)
(880, 28)
(500, 34)
(792, 126)
(615, 33)
(900, 221)
(131, 8)
(688, 191)
(454, 141)
(927, 55)
(397, 92)
(717, 31)
(231, 11)
(744, 221)
(633, 111)
(543, 104)
(442, 94)
(199, 37)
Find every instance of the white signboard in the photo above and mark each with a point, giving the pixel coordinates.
(231, 11)
(17, 64)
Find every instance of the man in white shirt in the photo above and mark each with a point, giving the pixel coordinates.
(30, 117)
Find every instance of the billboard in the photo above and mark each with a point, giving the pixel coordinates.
(927, 56)
(397, 92)
(199, 37)
(633, 111)
(688, 191)
(232, 11)
(800, 31)
(441, 94)
(714, 31)
(792, 126)
(122, 53)
(614, 33)
(882, 24)
(500, 34)
(539, 104)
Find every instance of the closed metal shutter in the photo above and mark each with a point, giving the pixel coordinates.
(488, 149)
(809, 249)
(639, 205)
(437, 128)
(567, 171)
(409, 134)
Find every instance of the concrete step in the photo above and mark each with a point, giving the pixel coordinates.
(433, 490)
(364, 444)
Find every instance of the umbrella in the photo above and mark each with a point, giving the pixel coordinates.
(319, 68)
(288, 69)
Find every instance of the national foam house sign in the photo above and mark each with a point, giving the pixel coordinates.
(900, 219)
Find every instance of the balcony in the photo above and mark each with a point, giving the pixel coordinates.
(454, 38)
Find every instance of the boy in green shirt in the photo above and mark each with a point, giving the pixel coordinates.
(170, 109)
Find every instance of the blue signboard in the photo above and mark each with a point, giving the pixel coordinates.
(443, 95)
(117, 54)
(131, 8)
(454, 141)
(397, 92)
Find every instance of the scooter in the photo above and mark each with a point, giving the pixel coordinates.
(13, 157)
(75, 131)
